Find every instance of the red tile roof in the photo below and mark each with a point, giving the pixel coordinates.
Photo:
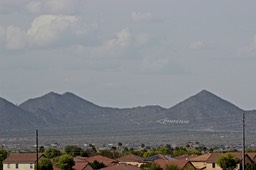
(252, 155)
(186, 156)
(179, 163)
(121, 167)
(22, 158)
(81, 165)
(107, 161)
(200, 158)
(131, 158)
(215, 156)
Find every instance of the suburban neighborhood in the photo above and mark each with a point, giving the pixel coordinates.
(122, 158)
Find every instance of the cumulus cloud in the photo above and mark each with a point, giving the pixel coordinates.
(142, 39)
(108, 48)
(46, 29)
(12, 37)
(141, 17)
(15, 38)
(122, 39)
(197, 45)
(43, 31)
(154, 63)
(53, 7)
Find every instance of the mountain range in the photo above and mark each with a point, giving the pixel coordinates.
(69, 113)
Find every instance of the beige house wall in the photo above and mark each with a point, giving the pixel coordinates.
(199, 165)
(209, 166)
(20, 167)
(132, 163)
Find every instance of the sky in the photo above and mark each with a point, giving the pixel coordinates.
(129, 53)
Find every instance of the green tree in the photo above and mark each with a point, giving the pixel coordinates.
(119, 146)
(41, 149)
(149, 154)
(97, 165)
(113, 149)
(73, 150)
(52, 153)
(164, 150)
(171, 167)
(3, 156)
(150, 166)
(64, 162)
(179, 151)
(45, 164)
(93, 148)
(228, 162)
(106, 153)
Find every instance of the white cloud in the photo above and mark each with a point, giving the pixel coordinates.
(197, 45)
(15, 38)
(122, 39)
(53, 7)
(154, 63)
(108, 48)
(142, 39)
(46, 29)
(141, 17)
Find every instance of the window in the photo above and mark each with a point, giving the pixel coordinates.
(213, 165)
(17, 166)
(8, 165)
(31, 166)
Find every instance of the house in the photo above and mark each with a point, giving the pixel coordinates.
(252, 155)
(22, 161)
(131, 160)
(211, 163)
(182, 164)
(81, 164)
(200, 161)
(159, 156)
(121, 167)
(105, 160)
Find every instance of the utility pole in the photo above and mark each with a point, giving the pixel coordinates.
(243, 143)
(36, 149)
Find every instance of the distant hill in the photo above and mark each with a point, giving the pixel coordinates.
(206, 111)
(68, 113)
(13, 117)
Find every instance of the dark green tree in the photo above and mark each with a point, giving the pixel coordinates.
(64, 162)
(3, 156)
(73, 150)
(97, 165)
(106, 153)
(52, 153)
(45, 164)
(171, 167)
(41, 149)
(113, 149)
(150, 166)
(228, 162)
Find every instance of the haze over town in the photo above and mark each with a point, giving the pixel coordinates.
(128, 53)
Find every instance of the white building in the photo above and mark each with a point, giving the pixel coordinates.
(21, 161)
